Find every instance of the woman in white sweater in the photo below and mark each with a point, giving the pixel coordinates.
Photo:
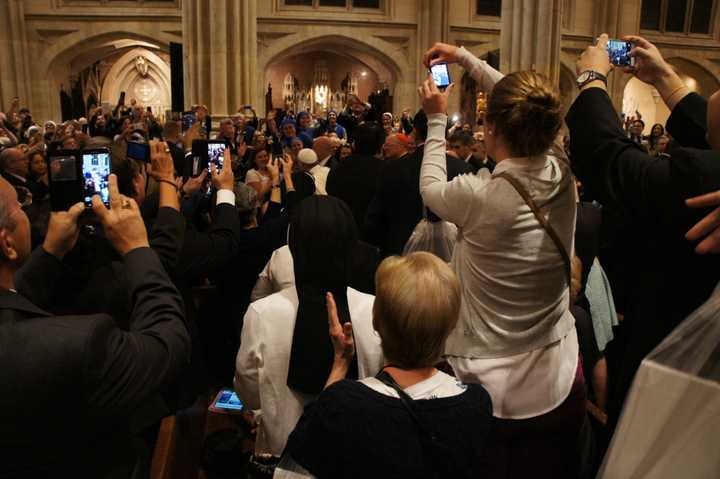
(515, 335)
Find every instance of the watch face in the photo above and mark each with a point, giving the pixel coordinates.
(583, 78)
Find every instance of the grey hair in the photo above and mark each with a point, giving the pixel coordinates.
(5, 157)
(246, 202)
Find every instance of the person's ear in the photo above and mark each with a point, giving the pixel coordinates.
(7, 246)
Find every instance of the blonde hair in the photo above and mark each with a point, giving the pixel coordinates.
(525, 109)
(417, 304)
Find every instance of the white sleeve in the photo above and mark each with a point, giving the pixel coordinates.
(451, 201)
(248, 361)
(225, 196)
(479, 70)
(264, 284)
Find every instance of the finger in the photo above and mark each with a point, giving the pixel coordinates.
(602, 41)
(421, 94)
(710, 199)
(705, 226)
(213, 170)
(202, 176)
(639, 41)
(333, 320)
(449, 89)
(115, 201)
(428, 56)
(76, 210)
(433, 86)
(711, 244)
(348, 330)
(99, 209)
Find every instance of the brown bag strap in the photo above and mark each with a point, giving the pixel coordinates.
(543, 221)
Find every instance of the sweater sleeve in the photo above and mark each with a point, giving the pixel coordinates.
(479, 70)
(248, 361)
(451, 201)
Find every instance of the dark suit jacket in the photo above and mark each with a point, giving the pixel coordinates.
(70, 383)
(666, 279)
(354, 181)
(397, 206)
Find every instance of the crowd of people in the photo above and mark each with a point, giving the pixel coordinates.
(294, 274)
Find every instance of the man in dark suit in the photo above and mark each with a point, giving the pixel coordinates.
(397, 206)
(70, 383)
(666, 279)
(355, 179)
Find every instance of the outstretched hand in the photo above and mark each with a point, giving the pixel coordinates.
(434, 100)
(341, 335)
(123, 224)
(649, 66)
(708, 227)
(440, 53)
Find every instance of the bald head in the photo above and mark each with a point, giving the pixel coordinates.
(323, 147)
(14, 161)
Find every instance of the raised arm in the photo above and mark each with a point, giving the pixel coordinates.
(479, 70)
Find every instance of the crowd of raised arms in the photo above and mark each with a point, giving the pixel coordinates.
(387, 295)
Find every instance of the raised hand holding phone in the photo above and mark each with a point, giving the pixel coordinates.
(161, 162)
(124, 227)
(223, 179)
(433, 100)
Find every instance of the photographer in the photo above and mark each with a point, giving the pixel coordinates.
(79, 379)
(650, 196)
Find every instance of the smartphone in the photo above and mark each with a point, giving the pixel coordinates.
(95, 172)
(441, 75)
(138, 151)
(188, 119)
(226, 402)
(215, 154)
(64, 173)
(619, 52)
(121, 101)
(149, 109)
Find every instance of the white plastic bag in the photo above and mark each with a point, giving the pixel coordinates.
(436, 237)
(671, 419)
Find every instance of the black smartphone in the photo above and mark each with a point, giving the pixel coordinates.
(138, 151)
(619, 53)
(149, 109)
(65, 173)
(95, 172)
(441, 75)
(188, 120)
(121, 100)
(215, 154)
(207, 152)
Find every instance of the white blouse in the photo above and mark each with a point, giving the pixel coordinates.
(264, 357)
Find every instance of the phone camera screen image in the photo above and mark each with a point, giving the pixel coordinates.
(441, 75)
(95, 170)
(188, 120)
(216, 155)
(227, 399)
(619, 52)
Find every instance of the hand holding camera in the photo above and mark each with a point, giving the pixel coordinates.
(223, 179)
(161, 162)
(433, 100)
(123, 224)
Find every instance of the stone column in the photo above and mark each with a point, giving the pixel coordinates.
(14, 65)
(432, 27)
(220, 54)
(530, 36)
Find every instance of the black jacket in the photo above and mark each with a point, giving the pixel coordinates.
(354, 181)
(666, 279)
(397, 206)
(70, 383)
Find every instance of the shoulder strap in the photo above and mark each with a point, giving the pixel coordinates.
(543, 221)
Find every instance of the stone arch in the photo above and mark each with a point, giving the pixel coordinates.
(707, 81)
(369, 50)
(55, 56)
(123, 75)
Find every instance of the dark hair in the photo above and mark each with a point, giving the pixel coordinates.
(420, 125)
(369, 138)
(639, 121)
(125, 169)
(524, 108)
(462, 137)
